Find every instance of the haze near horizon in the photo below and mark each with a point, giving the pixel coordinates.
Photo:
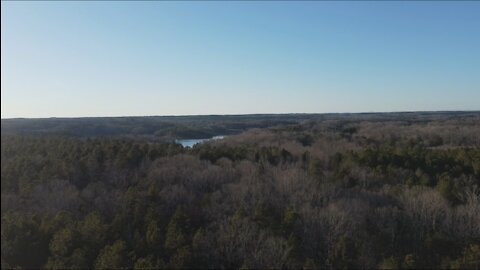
(80, 59)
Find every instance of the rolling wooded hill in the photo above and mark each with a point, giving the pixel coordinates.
(396, 190)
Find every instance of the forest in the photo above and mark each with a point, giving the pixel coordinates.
(326, 191)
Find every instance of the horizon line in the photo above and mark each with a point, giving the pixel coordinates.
(235, 114)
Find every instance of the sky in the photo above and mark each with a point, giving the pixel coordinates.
(82, 59)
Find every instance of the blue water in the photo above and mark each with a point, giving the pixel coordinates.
(188, 143)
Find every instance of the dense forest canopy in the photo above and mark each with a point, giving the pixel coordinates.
(397, 190)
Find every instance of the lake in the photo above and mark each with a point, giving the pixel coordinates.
(188, 143)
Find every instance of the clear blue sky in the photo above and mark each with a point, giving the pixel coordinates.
(68, 59)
